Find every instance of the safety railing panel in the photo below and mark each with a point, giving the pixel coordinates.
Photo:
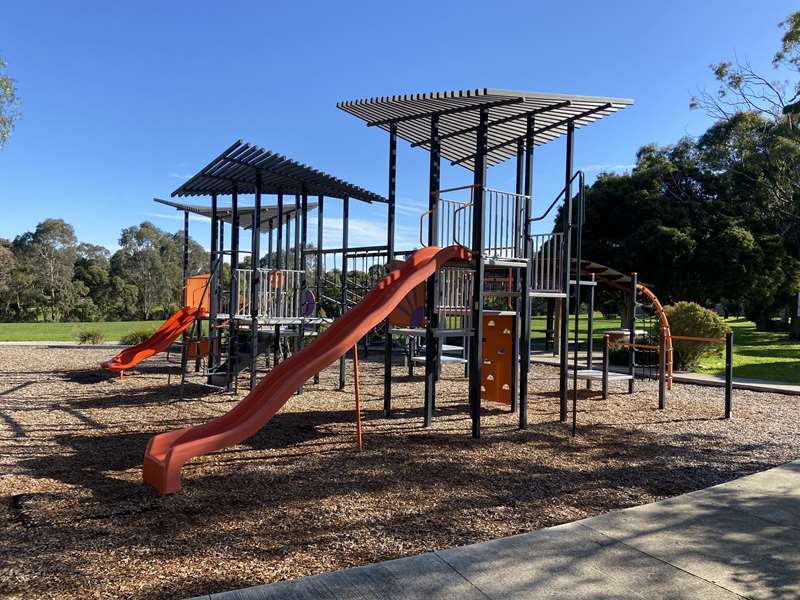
(503, 218)
(547, 263)
(503, 221)
(280, 293)
(454, 297)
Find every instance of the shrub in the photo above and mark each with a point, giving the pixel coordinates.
(689, 318)
(137, 336)
(90, 336)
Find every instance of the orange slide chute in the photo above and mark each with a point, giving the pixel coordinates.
(167, 452)
(158, 342)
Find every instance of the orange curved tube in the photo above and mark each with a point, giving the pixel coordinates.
(662, 318)
(167, 452)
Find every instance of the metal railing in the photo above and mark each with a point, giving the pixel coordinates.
(547, 263)
(450, 221)
(503, 217)
(454, 297)
(503, 221)
(280, 293)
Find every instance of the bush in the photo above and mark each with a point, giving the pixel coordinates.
(90, 336)
(689, 318)
(137, 336)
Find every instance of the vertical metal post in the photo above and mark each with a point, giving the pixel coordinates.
(519, 240)
(271, 223)
(319, 268)
(662, 369)
(728, 374)
(578, 288)
(255, 283)
(391, 197)
(605, 367)
(632, 334)
(476, 346)
(301, 327)
(345, 227)
(565, 269)
(296, 232)
(590, 330)
(233, 347)
(431, 352)
(276, 336)
(525, 298)
(212, 288)
(185, 337)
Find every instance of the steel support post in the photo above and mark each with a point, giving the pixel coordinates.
(632, 335)
(431, 343)
(276, 337)
(319, 268)
(566, 268)
(476, 346)
(212, 288)
(525, 298)
(578, 288)
(728, 374)
(391, 197)
(185, 336)
(345, 228)
(590, 330)
(515, 301)
(662, 369)
(255, 284)
(233, 347)
(605, 367)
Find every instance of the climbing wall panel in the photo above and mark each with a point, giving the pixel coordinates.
(497, 367)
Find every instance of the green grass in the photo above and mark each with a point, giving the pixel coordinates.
(68, 332)
(758, 355)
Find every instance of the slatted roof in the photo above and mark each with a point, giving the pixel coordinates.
(237, 167)
(459, 112)
(225, 213)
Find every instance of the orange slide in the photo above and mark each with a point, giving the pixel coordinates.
(167, 452)
(158, 342)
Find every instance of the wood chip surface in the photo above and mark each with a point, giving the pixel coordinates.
(76, 521)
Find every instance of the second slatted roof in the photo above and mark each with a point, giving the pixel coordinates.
(269, 213)
(238, 166)
(459, 113)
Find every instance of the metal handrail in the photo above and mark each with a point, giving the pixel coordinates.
(580, 176)
(427, 213)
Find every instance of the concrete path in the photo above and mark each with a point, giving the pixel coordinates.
(736, 540)
(739, 383)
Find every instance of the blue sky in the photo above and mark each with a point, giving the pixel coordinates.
(122, 101)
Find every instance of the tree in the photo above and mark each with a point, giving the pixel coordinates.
(49, 252)
(9, 104)
(152, 260)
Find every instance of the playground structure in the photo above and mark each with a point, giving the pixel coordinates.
(481, 263)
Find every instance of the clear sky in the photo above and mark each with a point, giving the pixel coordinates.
(122, 101)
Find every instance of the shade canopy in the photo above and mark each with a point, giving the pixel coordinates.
(458, 113)
(238, 167)
(269, 214)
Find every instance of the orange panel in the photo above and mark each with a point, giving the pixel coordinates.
(497, 367)
(195, 286)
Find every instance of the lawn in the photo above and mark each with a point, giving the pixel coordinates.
(758, 355)
(68, 332)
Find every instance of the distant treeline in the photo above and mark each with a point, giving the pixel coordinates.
(47, 274)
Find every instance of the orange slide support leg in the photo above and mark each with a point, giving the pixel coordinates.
(357, 382)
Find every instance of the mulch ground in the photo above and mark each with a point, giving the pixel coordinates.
(76, 521)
